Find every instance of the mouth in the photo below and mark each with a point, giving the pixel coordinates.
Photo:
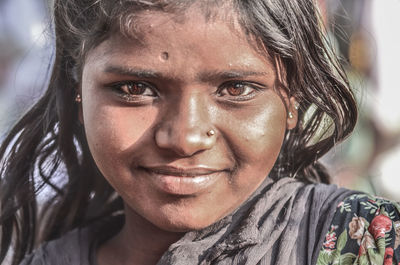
(183, 181)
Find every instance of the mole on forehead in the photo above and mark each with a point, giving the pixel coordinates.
(164, 56)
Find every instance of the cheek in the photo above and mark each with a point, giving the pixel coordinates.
(264, 131)
(256, 137)
(113, 132)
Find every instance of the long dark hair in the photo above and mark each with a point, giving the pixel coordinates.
(49, 139)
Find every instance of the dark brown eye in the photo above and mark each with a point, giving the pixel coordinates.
(134, 91)
(236, 89)
(133, 88)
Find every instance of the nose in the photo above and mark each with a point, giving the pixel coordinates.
(186, 128)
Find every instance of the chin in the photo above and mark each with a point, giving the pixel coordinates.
(186, 223)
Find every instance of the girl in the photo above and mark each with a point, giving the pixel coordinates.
(189, 132)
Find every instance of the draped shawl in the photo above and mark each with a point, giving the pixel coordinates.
(283, 222)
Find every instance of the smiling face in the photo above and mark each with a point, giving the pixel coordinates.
(149, 106)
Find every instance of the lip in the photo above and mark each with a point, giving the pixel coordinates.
(183, 181)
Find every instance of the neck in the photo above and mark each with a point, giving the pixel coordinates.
(138, 242)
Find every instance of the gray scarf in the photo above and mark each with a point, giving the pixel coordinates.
(283, 222)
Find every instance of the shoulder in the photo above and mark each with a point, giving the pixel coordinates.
(69, 249)
(364, 230)
(77, 246)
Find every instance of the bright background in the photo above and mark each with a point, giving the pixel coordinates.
(366, 33)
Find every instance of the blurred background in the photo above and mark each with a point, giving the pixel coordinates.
(366, 34)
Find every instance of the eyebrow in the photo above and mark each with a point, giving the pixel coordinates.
(218, 75)
(207, 76)
(134, 72)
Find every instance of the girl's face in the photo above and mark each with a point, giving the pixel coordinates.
(149, 104)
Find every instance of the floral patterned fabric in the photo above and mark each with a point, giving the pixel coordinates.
(365, 230)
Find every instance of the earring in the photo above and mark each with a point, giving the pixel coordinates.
(78, 98)
(210, 133)
(296, 107)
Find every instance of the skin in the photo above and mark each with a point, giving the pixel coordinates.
(189, 76)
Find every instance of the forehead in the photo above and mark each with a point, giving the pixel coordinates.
(139, 25)
(194, 44)
(162, 30)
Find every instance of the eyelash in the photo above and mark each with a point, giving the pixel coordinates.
(254, 87)
(126, 94)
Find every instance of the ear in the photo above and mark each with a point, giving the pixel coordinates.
(293, 114)
(291, 103)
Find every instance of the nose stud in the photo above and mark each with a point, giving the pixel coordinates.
(210, 133)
